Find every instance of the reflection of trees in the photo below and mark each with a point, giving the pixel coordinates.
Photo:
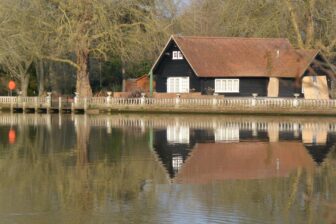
(41, 173)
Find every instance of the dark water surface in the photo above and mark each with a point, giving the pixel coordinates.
(167, 169)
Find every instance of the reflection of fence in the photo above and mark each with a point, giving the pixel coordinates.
(247, 102)
(248, 123)
(193, 122)
(214, 104)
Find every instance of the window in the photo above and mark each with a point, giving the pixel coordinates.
(177, 162)
(178, 134)
(227, 85)
(177, 55)
(178, 85)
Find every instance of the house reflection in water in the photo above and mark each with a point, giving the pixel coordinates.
(248, 150)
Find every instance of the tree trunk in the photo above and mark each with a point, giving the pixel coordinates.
(40, 76)
(295, 24)
(24, 84)
(310, 31)
(123, 75)
(83, 86)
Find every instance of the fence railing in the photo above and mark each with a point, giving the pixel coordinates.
(238, 103)
(228, 102)
(18, 101)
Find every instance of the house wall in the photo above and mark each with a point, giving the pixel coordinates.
(315, 90)
(273, 87)
(287, 87)
(174, 68)
(247, 86)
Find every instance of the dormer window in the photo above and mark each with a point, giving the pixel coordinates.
(177, 55)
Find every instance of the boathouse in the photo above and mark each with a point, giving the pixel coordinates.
(241, 67)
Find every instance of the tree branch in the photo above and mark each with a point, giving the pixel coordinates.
(67, 61)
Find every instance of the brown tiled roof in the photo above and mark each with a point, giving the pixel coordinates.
(245, 160)
(244, 57)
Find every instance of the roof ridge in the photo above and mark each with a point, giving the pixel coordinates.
(225, 37)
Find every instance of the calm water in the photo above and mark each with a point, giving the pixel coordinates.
(167, 169)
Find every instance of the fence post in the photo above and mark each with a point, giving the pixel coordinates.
(48, 102)
(143, 98)
(254, 100)
(59, 104)
(296, 102)
(177, 99)
(214, 100)
(76, 98)
(108, 98)
(19, 99)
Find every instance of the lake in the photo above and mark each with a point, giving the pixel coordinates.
(137, 168)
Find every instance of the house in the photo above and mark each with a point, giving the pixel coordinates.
(240, 67)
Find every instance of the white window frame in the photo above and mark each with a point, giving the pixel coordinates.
(178, 84)
(177, 55)
(177, 162)
(227, 85)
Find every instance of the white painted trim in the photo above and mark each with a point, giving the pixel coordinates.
(180, 82)
(162, 52)
(226, 91)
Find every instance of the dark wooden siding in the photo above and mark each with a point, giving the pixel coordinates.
(247, 86)
(167, 67)
(288, 86)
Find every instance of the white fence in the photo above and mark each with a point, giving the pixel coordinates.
(228, 102)
(213, 103)
(34, 102)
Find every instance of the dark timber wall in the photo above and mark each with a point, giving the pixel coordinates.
(168, 67)
(287, 87)
(247, 86)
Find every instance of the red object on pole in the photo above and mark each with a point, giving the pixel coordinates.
(11, 136)
(11, 85)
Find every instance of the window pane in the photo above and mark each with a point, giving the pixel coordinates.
(229, 89)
